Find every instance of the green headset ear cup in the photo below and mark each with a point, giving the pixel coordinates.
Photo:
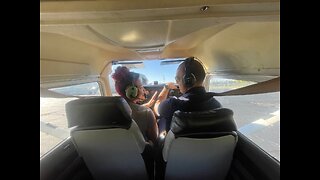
(131, 92)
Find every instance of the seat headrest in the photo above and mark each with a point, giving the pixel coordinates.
(88, 112)
(216, 120)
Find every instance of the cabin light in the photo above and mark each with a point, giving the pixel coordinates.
(204, 8)
(130, 37)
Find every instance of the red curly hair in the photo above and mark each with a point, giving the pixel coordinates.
(123, 78)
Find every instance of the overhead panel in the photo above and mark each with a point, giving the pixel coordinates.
(134, 35)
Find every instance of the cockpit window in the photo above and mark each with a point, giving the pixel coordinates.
(153, 72)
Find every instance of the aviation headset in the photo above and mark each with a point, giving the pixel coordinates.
(189, 78)
(131, 91)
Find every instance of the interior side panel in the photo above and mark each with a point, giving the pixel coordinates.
(63, 163)
(252, 163)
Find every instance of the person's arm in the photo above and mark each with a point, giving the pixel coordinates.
(152, 131)
(151, 101)
(163, 95)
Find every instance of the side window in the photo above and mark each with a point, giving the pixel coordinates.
(53, 120)
(113, 89)
(221, 84)
(257, 116)
(86, 89)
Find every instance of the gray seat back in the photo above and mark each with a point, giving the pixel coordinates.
(200, 145)
(109, 141)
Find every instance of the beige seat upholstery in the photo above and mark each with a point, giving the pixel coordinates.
(107, 138)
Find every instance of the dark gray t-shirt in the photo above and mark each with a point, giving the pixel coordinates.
(144, 118)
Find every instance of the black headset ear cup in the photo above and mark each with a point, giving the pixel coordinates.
(189, 78)
(131, 91)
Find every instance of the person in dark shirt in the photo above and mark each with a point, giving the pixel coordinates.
(189, 77)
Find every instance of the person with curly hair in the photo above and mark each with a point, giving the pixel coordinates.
(129, 86)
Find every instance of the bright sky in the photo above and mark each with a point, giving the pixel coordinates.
(156, 72)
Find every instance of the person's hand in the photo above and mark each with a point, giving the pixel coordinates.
(151, 101)
(171, 85)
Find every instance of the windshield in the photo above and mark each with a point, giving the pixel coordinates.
(153, 72)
